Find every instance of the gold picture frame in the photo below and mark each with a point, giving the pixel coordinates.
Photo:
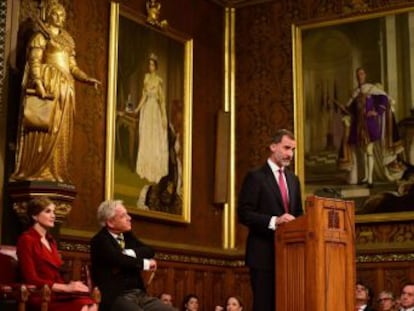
(326, 55)
(149, 117)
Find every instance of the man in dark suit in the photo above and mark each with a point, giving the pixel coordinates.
(269, 196)
(363, 297)
(407, 297)
(117, 258)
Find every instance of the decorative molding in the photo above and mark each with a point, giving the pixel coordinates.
(164, 256)
(21, 192)
(74, 247)
(381, 258)
(200, 260)
(396, 236)
(240, 3)
(333, 219)
(359, 6)
(236, 263)
(71, 234)
(153, 14)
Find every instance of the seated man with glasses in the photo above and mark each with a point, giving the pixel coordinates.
(386, 301)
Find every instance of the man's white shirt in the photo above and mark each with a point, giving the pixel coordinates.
(131, 253)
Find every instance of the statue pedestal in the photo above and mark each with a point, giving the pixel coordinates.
(21, 192)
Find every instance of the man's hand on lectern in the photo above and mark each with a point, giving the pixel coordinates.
(284, 218)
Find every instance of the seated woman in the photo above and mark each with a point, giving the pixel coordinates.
(234, 303)
(40, 261)
(191, 303)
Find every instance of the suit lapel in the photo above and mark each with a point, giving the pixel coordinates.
(272, 183)
(50, 257)
(114, 243)
(273, 186)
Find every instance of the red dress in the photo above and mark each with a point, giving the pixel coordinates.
(40, 266)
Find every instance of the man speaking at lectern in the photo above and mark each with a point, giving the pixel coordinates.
(270, 196)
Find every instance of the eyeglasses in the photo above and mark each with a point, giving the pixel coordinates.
(384, 299)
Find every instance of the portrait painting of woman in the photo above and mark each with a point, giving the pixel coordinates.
(152, 155)
(152, 118)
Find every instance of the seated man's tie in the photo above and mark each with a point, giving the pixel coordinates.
(121, 241)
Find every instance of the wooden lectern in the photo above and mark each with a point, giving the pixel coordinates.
(315, 258)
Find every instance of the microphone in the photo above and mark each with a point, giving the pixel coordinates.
(333, 191)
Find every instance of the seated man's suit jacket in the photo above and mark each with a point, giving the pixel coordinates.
(112, 271)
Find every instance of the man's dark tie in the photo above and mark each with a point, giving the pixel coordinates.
(121, 241)
(283, 191)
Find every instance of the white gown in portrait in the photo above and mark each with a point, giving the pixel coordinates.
(152, 158)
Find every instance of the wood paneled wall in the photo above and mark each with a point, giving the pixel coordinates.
(265, 102)
(264, 77)
(180, 275)
(264, 99)
(386, 276)
(212, 279)
(189, 17)
(88, 22)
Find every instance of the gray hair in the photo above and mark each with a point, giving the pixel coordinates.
(387, 293)
(106, 210)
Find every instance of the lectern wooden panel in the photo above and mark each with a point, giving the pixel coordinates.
(315, 258)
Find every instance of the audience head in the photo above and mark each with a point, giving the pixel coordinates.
(386, 301)
(363, 294)
(397, 303)
(166, 298)
(190, 303)
(113, 215)
(234, 303)
(407, 295)
(41, 211)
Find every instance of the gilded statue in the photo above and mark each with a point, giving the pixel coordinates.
(153, 13)
(48, 101)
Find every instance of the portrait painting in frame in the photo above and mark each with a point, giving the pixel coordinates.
(149, 117)
(354, 91)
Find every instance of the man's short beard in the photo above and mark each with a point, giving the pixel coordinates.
(285, 162)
